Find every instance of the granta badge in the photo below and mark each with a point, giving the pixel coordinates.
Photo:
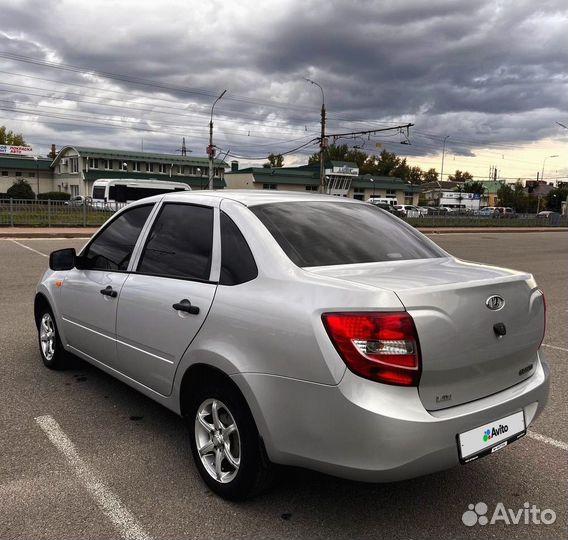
(495, 302)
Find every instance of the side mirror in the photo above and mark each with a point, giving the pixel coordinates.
(62, 259)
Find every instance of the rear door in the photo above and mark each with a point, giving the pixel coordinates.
(89, 294)
(165, 301)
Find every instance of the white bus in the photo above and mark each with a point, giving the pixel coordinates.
(114, 193)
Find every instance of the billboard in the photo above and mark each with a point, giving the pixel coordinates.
(16, 150)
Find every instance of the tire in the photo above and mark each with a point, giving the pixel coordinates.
(51, 350)
(225, 443)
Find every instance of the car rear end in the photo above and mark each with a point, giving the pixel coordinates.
(449, 372)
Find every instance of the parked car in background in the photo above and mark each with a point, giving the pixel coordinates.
(78, 200)
(489, 212)
(423, 210)
(407, 210)
(546, 214)
(387, 207)
(437, 211)
(506, 212)
(301, 329)
(390, 201)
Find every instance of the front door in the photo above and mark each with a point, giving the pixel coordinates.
(89, 294)
(165, 301)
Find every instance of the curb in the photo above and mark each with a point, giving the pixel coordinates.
(474, 230)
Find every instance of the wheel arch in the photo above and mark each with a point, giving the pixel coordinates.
(40, 302)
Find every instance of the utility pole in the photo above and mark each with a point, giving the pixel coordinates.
(183, 148)
(443, 155)
(211, 148)
(323, 141)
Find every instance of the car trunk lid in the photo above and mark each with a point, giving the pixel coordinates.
(464, 354)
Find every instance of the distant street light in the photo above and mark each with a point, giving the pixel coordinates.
(547, 157)
(443, 154)
(36, 159)
(211, 148)
(373, 181)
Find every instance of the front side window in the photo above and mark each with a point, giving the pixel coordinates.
(180, 243)
(331, 233)
(112, 249)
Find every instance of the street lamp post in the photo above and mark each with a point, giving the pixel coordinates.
(322, 137)
(373, 182)
(443, 155)
(36, 159)
(544, 161)
(211, 148)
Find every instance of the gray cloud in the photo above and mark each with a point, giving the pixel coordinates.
(492, 72)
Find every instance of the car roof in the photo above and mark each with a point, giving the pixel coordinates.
(250, 197)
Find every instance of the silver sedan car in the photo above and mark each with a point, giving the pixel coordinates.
(301, 329)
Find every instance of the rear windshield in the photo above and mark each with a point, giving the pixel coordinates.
(332, 233)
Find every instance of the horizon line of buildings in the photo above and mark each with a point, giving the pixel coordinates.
(74, 169)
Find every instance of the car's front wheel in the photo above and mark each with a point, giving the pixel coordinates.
(225, 442)
(50, 347)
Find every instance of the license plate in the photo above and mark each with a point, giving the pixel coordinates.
(490, 437)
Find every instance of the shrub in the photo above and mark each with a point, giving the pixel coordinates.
(20, 189)
(54, 196)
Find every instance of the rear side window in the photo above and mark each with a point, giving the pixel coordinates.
(237, 262)
(180, 243)
(333, 233)
(112, 249)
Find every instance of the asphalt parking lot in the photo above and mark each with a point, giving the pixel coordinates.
(136, 456)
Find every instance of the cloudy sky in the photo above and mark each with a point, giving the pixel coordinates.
(490, 74)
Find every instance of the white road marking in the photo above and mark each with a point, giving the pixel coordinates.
(28, 247)
(555, 347)
(109, 503)
(547, 440)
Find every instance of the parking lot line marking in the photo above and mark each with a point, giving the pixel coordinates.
(108, 502)
(28, 247)
(547, 440)
(555, 347)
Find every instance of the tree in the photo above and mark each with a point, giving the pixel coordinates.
(473, 187)
(20, 189)
(555, 197)
(274, 160)
(460, 176)
(11, 138)
(430, 175)
(505, 195)
(341, 153)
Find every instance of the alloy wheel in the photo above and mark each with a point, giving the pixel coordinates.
(218, 440)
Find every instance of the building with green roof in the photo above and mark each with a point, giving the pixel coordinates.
(307, 178)
(75, 168)
(35, 170)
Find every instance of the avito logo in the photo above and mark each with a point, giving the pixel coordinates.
(494, 432)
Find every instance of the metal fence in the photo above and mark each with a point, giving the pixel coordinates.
(31, 213)
(468, 220)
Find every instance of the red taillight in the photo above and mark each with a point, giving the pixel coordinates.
(382, 347)
(544, 315)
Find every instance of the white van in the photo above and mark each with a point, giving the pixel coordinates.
(391, 201)
(114, 193)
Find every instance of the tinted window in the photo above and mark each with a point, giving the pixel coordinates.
(180, 243)
(112, 249)
(329, 233)
(99, 192)
(237, 262)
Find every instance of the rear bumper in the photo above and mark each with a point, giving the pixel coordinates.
(372, 432)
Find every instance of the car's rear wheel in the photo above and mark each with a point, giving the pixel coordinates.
(225, 442)
(50, 347)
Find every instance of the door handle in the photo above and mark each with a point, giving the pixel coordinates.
(185, 305)
(109, 292)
